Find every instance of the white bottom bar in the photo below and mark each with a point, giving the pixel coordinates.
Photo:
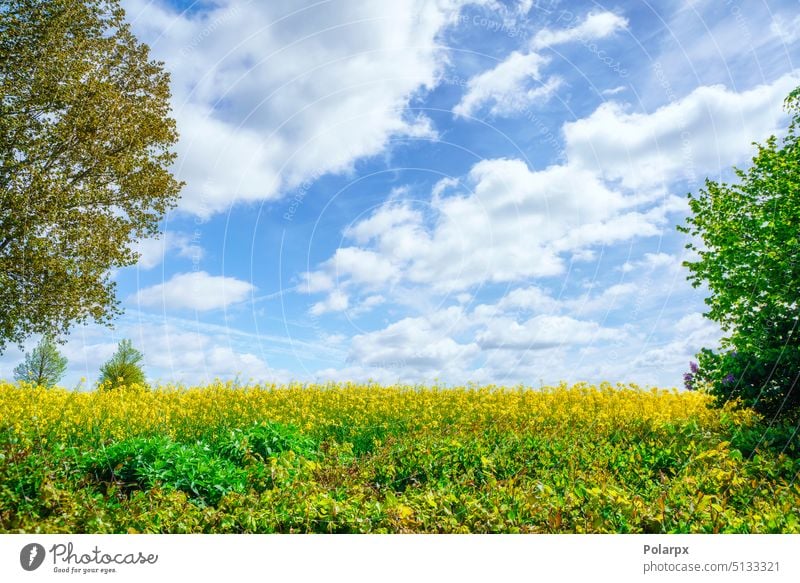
(401, 558)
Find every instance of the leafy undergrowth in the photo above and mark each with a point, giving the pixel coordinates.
(350, 458)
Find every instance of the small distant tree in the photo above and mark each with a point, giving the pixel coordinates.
(750, 259)
(45, 366)
(123, 368)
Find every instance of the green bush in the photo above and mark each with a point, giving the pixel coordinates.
(144, 463)
(263, 441)
(762, 381)
(748, 254)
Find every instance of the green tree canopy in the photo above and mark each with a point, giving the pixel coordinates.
(45, 366)
(748, 247)
(124, 368)
(85, 151)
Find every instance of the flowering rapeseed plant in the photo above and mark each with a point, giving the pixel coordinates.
(369, 458)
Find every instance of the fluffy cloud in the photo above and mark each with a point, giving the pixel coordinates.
(688, 335)
(705, 132)
(517, 82)
(265, 92)
(336, 301)
(418, 344)
(596, 25)
(195, 291)
(542, 331)
(507, 223)
(512, 336)
(510, 87)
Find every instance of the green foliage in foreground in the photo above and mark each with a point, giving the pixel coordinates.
(370, 459)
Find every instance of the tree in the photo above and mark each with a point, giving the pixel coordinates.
(45, 366)
(123, 368)
(85, 150)
(750, 259)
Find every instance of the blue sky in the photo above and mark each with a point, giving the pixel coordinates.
(440, 190)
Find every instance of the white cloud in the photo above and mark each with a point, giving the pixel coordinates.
(652, 261)
(609, 298)
(363, 266)
(517, 82)
(705, 132)
(337, 301)
(418, 344)
(687, 336)
(596, 25)
(543, 331)
(153, 251)
(614, 91)
(504, 222)
(195, 291)
(388, 217)
(264, 92)
(315, 281)
(526, 221)
(788, 32)
(510, 87)
(367, 305)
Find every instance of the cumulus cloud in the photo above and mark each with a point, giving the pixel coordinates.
(195, 291)
(418, 344)
(264, 92)
(705, 132)
(336, 301)
(452, 340)
(542, 331)
(510, 87)
(688, 335)
(517, 82)
(505, 223)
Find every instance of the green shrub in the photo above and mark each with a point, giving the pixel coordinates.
(263, 441)
(765, 382)
(748, 254)
(144, 463)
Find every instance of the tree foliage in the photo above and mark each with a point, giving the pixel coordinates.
(45, 366)
(85, 150)
(124, 368)
(750, 260)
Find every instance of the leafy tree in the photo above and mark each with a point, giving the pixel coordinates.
(85, 150)
(750, 260)
(45, 366)
(123, 368)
